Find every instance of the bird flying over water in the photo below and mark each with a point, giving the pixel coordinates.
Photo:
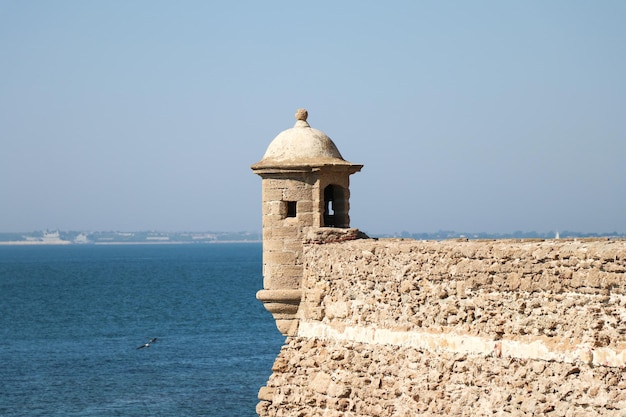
(146, 345)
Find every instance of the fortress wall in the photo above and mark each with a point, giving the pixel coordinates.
(405, 328)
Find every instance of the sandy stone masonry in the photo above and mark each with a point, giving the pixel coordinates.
(405, 328)
(306, 185)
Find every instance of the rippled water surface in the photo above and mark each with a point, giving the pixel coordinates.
(72, 317)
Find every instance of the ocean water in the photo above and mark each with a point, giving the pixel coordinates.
(72, 317)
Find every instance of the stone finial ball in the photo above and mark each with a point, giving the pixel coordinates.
(302, 114)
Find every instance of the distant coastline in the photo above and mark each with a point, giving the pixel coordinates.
(58, 237)
(30, 243)
(65, 243)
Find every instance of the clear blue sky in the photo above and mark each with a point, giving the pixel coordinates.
(469, 116)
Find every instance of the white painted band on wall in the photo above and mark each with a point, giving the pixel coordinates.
(547, 349)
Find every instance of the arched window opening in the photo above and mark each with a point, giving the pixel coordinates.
(335, 213)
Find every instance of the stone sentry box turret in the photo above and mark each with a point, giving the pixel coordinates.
(306, 188)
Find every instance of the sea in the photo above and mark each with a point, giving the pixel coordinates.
(73, 316)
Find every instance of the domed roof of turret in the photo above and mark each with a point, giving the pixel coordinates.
(301, 145)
